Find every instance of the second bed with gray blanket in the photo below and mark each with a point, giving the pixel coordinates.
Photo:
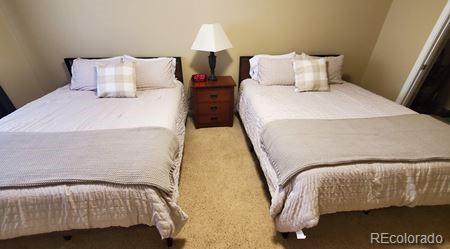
(296, 145)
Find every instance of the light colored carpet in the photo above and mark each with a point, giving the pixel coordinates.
(225, 196)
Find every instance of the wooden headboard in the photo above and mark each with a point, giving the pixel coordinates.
(244, 65)
(6, 106)
(178, 69)
(244, 68)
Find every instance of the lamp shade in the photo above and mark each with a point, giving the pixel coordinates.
(211, 38)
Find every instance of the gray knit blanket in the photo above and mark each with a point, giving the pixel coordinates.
(138, 156)
(294, 146)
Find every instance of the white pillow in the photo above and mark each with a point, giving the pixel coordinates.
(154, 73)
(116, 81)
(334, 66)
(84, 76)
(254, 62)
(276, 71)
(311, 75)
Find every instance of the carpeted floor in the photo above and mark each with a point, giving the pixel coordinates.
(225, 196)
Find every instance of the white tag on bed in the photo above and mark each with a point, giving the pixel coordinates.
(300, 234)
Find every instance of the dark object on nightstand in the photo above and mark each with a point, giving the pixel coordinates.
(6, 106)
(213, 102)
(212, 66)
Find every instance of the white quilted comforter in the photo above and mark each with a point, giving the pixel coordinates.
(26, 211)
(333, 189)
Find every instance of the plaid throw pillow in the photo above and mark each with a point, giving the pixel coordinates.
(116, 81)
(311, 75)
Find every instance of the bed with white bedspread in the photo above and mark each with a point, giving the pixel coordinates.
(42, 209)
(362, 186)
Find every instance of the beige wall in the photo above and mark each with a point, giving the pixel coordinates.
(54, 29)
(16, 75)
(407, 26)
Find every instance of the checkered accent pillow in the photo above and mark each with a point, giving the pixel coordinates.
(116, 81)
(311, 75)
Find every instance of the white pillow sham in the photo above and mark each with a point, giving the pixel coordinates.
(254, 62)
(84, 76)
(334, 66)
(276, 71)
(154, 73)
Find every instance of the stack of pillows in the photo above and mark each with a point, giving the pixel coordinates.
(121, 76)
(305, 72)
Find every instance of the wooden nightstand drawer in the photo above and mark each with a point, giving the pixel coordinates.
(213, 102)
(214, 95)
(213, 108)
(213, 118)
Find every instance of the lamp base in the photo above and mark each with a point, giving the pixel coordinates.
(212, 66)
(212, 78)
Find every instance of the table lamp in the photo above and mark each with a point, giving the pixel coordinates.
(211, 38)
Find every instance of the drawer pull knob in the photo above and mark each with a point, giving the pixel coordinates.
(213, 108)
(213, 118)
(213, 96)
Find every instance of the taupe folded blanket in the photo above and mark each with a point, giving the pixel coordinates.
(297, 145)
(138, 156)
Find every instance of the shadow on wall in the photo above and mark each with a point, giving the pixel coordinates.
(347, 78)
(199, 62)
(378, 70)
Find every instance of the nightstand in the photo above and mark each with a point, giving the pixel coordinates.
(213, 102)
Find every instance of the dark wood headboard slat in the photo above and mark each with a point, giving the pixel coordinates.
(6, 106)
(244, 65)
(178, 69)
